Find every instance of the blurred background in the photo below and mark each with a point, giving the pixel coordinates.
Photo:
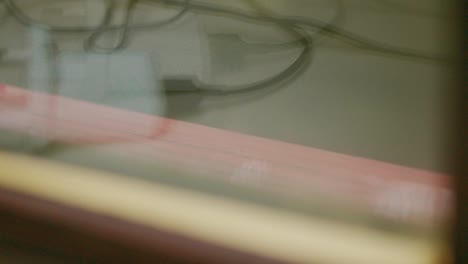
(327, 114)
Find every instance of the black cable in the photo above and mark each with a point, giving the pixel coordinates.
(187, 5)
(362, 42)
(301, 22)
(91, 43)
(285, 75)
(24, 19)
(125, 28)
(289, 73)
(299, 25)
(196, 85)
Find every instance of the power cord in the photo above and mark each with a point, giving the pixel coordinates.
(104, 27)
(124, 29)
(24, 19)
(173, 85)
(177, 85)
(186, 5)
(308, 24)
(307, 31)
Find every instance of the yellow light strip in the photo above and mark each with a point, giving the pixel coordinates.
(242, 226)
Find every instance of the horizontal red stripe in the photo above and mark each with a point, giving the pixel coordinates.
(392, 190)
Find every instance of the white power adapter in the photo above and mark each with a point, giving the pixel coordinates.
(123, 79)
(126, 80)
